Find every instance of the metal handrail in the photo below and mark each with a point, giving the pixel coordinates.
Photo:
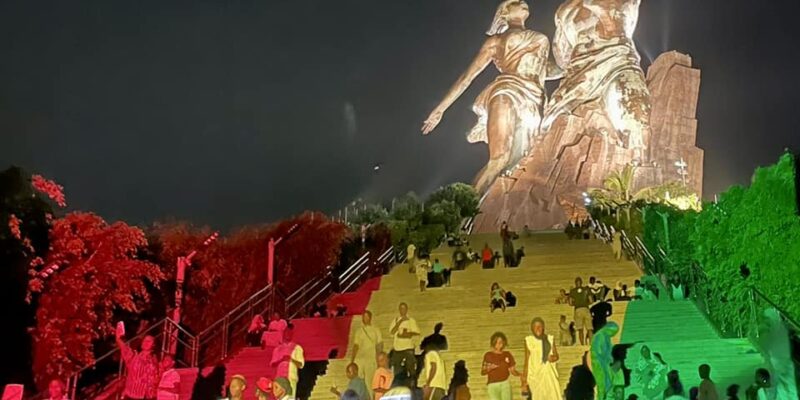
(639, 251)
(266, 289)
(164, 325)
(344, 275)
(794, 323)
(261, 302)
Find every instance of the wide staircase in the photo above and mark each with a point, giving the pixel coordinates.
(686, 339)
(552, 263)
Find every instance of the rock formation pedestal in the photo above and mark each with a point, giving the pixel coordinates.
(581, 150)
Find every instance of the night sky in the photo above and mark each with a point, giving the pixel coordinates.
(231, 112)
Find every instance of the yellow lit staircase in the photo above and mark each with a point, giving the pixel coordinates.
(552, 263)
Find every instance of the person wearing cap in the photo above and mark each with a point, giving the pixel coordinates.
(236, 387)
(288, 358)
(282, 389)
(263, 388)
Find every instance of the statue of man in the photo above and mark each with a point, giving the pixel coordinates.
(509, 109)
(594, 46)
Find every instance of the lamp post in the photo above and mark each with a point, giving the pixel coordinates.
(271, 257)
(181, 264)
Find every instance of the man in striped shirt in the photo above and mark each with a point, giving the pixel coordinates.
(141, 369)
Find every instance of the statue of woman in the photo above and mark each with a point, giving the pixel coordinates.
(509, 109)
(593, 45)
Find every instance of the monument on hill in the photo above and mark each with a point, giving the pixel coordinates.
(603, 116)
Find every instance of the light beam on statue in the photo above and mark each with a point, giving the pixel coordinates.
(604, 115)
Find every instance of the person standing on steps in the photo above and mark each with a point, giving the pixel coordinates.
(383, 377)
(498, 365)
(579, 298)
(411, 257)
(367, 343)
(355, 384)
(602, 358)
(141, 368)
(459, 388)
(540, 376)
(288, 358)
(433, 379)
(423, 267)
(600, 312)
(707, 389)
(403, 330)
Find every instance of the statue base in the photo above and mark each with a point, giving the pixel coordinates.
(579, 151)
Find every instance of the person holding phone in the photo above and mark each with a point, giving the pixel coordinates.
(403, 330)
(142, 373)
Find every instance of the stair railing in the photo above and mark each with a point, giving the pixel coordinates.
(219, 340)
(160, 331)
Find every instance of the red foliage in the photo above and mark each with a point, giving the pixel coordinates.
(13, 226)
(235, 266)
(53, 190)
(99, 274)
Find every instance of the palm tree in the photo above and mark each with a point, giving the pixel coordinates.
(616, 191)
(617, 194)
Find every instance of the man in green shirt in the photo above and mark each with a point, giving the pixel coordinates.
(438, 273)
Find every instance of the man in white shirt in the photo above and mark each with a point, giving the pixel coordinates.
(288, 358)
(169, 385)
(403, 330)
(433, 379)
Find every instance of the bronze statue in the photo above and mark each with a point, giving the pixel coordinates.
(509, 109)
(594, 46)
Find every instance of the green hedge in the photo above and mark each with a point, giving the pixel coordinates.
(755, 229)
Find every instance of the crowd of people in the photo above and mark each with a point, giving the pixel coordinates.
(405, 371)
(405, 374)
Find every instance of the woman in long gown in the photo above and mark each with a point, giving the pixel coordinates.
(367, 343)
(509, 110)
(540, 374)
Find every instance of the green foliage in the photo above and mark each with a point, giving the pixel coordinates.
(462, 195)
(411, 221)
(427, 237)
(399, 231)
(407, 208)
(757, 227)
(445, 213)
(371, 214)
